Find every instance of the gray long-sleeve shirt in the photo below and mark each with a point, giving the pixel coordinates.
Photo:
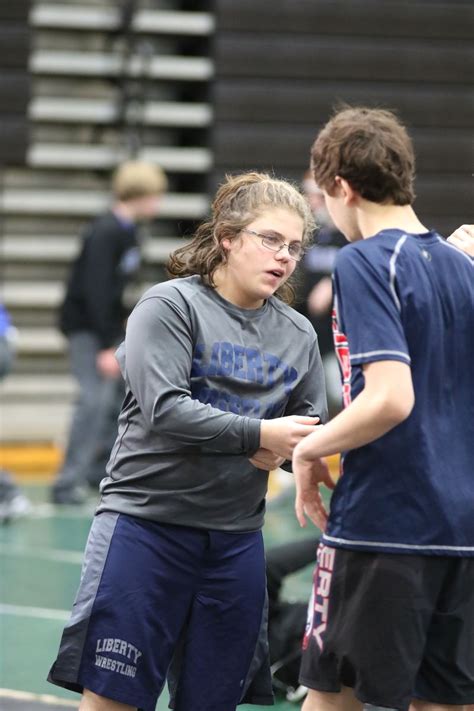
(200, 374)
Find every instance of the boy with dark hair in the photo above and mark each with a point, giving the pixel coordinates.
(392, 614)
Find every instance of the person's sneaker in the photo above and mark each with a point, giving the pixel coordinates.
(14, 507)
(13, 503)
(297, 695)
(70, 496)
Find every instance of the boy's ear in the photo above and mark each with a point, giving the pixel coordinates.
(345, 189)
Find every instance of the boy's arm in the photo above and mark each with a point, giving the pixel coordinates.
(370, 335)
(386, 400)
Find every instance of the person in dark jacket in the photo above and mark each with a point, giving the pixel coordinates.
(286, 617)
(93, 315)
(315, 293)
(13, 503)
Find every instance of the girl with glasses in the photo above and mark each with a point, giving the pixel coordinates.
(223, 379)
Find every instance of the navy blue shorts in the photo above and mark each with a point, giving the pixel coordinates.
(154, 595)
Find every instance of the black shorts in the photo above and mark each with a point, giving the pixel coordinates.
(392, 627)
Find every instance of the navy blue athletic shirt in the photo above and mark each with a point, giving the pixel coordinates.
(410, 298)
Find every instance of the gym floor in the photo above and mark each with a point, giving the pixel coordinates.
(41, 557)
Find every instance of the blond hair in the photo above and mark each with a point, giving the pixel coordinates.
(135, 179)
(238, 201)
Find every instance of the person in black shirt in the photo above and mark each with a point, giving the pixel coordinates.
(286, 617)
(92, 317)
(315, 292)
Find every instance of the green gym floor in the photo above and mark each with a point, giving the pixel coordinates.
(40, 562)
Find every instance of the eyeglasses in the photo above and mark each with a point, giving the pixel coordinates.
(275, 244)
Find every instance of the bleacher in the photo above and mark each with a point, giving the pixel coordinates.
(202, 93)
(280, 74)
(108, 80)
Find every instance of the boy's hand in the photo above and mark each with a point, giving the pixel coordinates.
(308, 476)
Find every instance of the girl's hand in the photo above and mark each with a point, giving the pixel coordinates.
(266, 460)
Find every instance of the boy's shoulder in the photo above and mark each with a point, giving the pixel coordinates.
(382, 247)
(372, 251)
(107, 227)
(104, 221)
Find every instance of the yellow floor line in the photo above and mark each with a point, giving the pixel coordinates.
(30, 458)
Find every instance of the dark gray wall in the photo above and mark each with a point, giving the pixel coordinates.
(14, 80)
(282, 65)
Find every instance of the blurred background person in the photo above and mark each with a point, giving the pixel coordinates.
(315, 293)
(13, 503)
(287, 617)
(92, 317)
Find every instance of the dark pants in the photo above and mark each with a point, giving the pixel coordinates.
(94, 420)
(287, 620)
